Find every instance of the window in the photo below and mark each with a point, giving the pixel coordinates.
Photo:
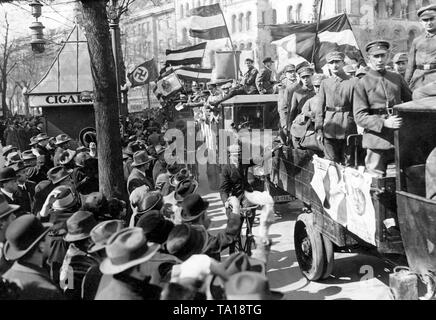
(148, 27)
(249, 46)
(181, 11)
(274, 16)
(290, 13)
(187, 10)
(263, 17)
(396, 9)
(248, 21)
(411, 10)
(233, 23)
(161, 45)
(184, 35)
(298, 13)
(381, 9)
(241, 22)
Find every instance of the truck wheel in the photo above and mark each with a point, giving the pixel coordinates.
(329, 257)
(309, 248)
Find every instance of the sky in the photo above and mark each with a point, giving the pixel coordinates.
(59, 14)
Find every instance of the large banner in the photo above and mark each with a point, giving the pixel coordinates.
(345, 196)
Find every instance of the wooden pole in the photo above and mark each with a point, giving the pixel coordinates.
(316, 32)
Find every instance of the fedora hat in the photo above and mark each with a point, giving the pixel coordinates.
(8, 149)
(185, 188)
(193, 206)
(140, 158)
(41, 137)
(28, 155)
(33, 141)
(267, 59)
(102, 232)
(67, 156)
(21, 165)
(155, 226)
(6, 208)
(58, 174)
(237, 262)
(79, 226)
(22, 235)
(62, 138)
(65, 198)
(180, 176)
(13, 157)
(159, 149)
(81, 157)
(7, 174)
(149, 201)
(185, 240)
(249, 285)
(126, 249)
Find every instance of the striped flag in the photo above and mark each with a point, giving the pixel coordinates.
(194, 74)
(207, 22)
(295, 41)
(185, 56)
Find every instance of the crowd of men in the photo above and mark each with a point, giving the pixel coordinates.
(61, 238)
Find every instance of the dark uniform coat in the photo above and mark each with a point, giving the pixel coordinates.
(423, 51)
(370, 106)
(249, 81)
(299, 98)
(336, 92)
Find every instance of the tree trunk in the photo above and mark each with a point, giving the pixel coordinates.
(110, 163)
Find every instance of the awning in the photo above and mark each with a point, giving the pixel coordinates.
(69, 77)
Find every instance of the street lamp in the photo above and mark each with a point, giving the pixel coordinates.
(37, 27)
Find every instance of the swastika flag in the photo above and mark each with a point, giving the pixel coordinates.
(144, 73)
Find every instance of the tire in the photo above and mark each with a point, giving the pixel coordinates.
(309, 248)
(329, 257)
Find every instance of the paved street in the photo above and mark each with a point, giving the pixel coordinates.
(355, 277)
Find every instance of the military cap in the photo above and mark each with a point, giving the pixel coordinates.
(427, 11)
(317, 79)
(377, 47)
(249, 59)
(349, 68)
(305, 71)
(401, 56)
(267, 59)
(290, 68)
(334, 56)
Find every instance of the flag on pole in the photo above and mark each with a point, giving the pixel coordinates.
(194, 74)
(168, 84)
(207, 22)
(297, 40)
(186, 56)
(143, 74)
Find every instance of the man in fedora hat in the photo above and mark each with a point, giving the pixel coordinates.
(166, 182)
(8, 149)
(62, 143)
(40, 147)
(249, 285)
(174, 200)
(9, 187)
(25, 246)
(77, 260)
(160, 166)
(265, 79)
(66, 159)
(194, 211)
(142, 202)
(334, 117)
(7, 215)
(94, 280)
(127, 251)
(25, 186)
(138, 177)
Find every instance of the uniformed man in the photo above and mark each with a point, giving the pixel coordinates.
(421, 69)
(334, 111)
(249, 77)
(302, 94)
(400, 63)
(265, 79)
(374, 97)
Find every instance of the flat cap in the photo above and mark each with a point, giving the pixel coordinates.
(399, 57)
(305, 71)
(427, 11)
(377, 47)
(334, 56)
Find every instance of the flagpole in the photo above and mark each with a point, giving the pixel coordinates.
(231, 44)
(316, 32)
